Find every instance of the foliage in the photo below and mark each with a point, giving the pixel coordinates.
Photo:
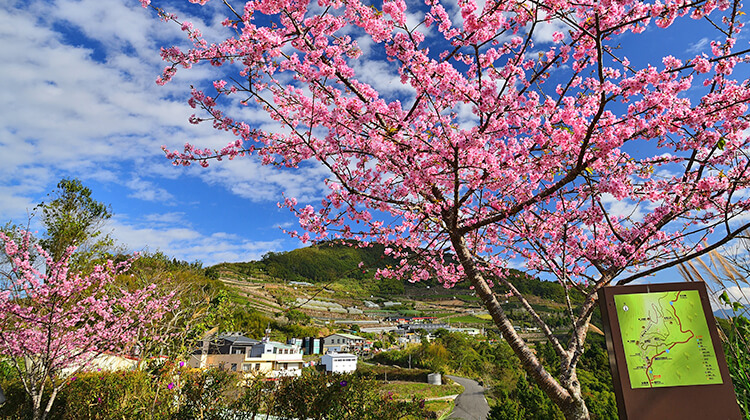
(207, 394)
(468, 319)
(598, 393)
(116, 395)
(737, 351)
(323, 262)
(318, 396)
(162, 391)
(454, 353)
(501, 144)
(549, 290)
(392, 373)
(404, 390)
(525, 402)
(60, 320)
(17, 405)
(203, 303)
(158, 261)
(726, 276)
(73, 218)
(297, 316)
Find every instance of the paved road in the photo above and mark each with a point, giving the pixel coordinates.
(471, 404)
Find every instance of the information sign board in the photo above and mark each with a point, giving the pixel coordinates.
(665, 353)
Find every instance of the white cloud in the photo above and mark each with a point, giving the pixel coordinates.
(621, 209)
(79, 100)
(66, 113)
(382, 76)
(544, 30)
(249, 179)
(185, 243)
(699, 46)
(735, 294)
(15, 202)
(148, 191)
(166, 218)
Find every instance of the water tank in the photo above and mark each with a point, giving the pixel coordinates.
(434, 379)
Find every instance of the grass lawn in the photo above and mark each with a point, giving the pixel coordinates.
(407, 390)
(442, 407)
(469, 319)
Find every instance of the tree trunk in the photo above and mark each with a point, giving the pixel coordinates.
(569, 398)
(50, 402)
(36, 400)
(575, 409)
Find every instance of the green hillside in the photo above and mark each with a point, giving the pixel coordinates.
(323, 262)
(334, 275)
(332, 262)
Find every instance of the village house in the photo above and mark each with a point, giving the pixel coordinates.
(235, 352)
(342, 342)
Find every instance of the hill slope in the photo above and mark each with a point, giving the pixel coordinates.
(331, 273)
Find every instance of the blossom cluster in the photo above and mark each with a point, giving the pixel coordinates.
(613, 168)
(56, 318)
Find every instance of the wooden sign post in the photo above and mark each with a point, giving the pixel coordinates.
(665, 354)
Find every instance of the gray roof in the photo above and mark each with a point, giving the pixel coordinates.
(237, 339)
(345, 335)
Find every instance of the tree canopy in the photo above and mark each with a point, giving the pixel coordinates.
(519, 132)
(72, 218)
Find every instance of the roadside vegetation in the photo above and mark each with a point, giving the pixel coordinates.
(165, 390)
(257, 296)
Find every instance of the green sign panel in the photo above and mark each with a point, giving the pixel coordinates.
(666, 339)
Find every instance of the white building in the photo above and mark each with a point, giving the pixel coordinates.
(339, 362)
(238, 353)
(274, 359)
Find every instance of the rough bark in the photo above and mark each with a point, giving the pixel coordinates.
(571, 403)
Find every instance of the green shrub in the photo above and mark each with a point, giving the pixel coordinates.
(116, 395)
(393, 373)
(318, 396)
(207, 394)
(17, 405)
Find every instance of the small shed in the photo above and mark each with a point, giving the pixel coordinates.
(339, 362)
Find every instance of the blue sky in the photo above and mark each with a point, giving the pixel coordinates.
(79, 99)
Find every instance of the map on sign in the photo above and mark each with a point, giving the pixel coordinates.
(666, 339)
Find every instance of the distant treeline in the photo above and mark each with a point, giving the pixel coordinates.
(550, 290)
(323, 262)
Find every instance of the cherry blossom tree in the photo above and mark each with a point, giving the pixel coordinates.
(55, 322)
(519, 132)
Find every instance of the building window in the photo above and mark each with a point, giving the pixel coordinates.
(257, 366)
(234, 367)
(246, 367)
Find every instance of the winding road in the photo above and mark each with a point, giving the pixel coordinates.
(471, 404)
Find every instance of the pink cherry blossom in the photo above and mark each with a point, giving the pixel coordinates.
(56, 320)
(612, 172)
